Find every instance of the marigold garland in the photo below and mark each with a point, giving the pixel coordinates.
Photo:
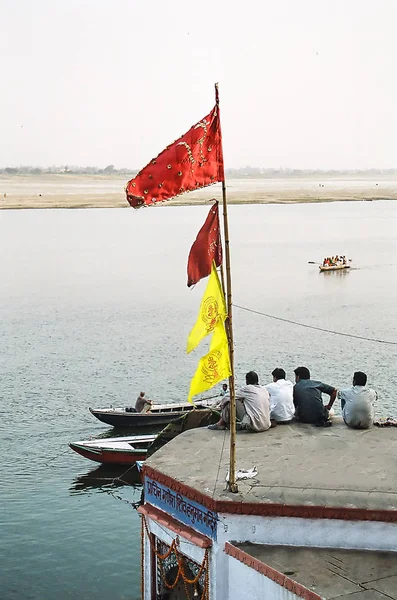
(179, 558)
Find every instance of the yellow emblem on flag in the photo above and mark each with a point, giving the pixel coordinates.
(214, 366)
(212, 311)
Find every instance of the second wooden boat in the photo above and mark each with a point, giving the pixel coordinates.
(136, 448)
(116, 451)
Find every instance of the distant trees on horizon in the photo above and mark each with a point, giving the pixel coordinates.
(240, 173)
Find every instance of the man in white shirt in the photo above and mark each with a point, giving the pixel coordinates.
(358, 403)
(252, 407)
(282, 407)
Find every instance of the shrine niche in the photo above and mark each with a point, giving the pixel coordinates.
(177, 576)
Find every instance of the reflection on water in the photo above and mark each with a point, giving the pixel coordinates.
(104, 477)
(339, 273)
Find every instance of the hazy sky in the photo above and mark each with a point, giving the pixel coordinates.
(303, 83)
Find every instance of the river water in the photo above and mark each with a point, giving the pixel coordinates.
(94, 307)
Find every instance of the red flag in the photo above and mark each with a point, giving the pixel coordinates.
(206, 248)
(193, 161)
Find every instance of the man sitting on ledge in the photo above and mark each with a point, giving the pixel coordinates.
(357, 403)
(282, 408)
(252, 407)
(309, 407)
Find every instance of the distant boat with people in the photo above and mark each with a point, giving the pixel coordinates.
(335, 263)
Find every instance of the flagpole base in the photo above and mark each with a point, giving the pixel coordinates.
(233, 488)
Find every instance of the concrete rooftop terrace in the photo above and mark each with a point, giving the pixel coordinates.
(323, 471)
(350, 574)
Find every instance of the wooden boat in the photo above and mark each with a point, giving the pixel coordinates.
(339, 267)
(131, 449)
(159, 415)
(115, 451)
(190, 420)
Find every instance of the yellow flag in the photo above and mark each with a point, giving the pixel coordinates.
(214, 366)
(212, 311)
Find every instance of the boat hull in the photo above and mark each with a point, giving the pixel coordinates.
(109, 457)
(334, 268)
(122, 418)
(115, 451)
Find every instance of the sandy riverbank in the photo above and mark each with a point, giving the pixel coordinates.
(68, 191)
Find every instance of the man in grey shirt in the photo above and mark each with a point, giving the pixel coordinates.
(252, 407)
(309, 407)
(143, 404)
(357, 403)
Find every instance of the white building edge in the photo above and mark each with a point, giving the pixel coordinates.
(318, 522)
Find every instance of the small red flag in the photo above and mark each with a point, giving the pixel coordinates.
(206, 248)
(193, 161)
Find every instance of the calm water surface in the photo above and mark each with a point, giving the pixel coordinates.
(94, 307)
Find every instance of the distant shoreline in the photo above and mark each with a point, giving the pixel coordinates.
(19, 192)
(119, 204)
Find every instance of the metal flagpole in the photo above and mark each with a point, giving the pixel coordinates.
(229, 331)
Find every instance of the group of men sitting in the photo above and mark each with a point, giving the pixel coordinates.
(260, 407)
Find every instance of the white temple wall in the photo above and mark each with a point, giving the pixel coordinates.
(322, 533)
(244, 582)
(230, 578)
(147, 569)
